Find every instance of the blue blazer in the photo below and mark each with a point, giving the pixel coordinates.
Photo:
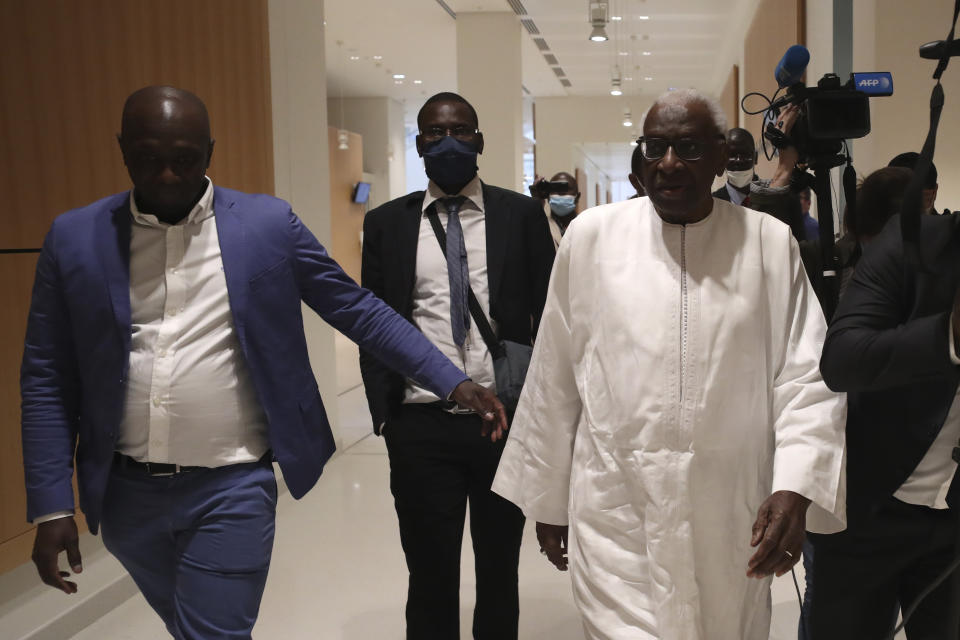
(76, 354)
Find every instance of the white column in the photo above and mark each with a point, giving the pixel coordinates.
(300, 159)
(489, 75)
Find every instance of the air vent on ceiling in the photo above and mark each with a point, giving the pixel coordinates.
(446, 7)
(551, 59)
(517, 7)
(529, 26)
(559, 71)
(541, 44)
(566, 82)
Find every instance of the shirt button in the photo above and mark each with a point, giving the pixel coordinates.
(156, 401)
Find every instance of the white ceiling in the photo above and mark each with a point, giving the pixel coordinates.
(686, 39)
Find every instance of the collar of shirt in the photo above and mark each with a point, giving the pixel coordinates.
(736, 196)
(200, 212)
(473, 191)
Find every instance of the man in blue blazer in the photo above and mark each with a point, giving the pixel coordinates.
(165, 352)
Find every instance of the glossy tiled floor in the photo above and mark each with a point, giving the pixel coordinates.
(338, 572)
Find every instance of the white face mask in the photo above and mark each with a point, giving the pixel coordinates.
(740, 179)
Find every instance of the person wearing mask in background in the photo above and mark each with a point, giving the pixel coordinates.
(497, 244)
(165, 354)
(811, 227)
(893, 346)
(680, 502)
(909, 160)
(562, 206)
(740, 166)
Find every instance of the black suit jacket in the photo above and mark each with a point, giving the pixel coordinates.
(722, 193)
(519, 259)
(888, 348)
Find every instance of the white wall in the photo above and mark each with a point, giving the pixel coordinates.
(380, 122)
(887, 34)
(301, 162)
(565, 122)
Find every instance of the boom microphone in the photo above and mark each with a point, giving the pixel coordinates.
(790, 69)
(934, 50)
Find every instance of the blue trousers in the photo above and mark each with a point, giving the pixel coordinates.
(197, 544)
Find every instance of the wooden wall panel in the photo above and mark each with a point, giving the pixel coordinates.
(346, 217)
(730, 97)
(67, 68)
(776, 25)
(16, 281)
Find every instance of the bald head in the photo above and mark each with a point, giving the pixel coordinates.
(151, 105)
(166, 145)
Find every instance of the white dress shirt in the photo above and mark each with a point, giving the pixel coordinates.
(431, 291)
(928, 484)
(190, 399)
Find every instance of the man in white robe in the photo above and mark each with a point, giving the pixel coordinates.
(674, 415)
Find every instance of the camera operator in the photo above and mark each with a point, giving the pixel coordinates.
(930, 187)
(560, 197)
(892, 346)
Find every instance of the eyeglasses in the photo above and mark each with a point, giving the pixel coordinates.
(462, 132)
(688, 149)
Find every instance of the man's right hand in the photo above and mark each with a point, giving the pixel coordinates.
(553, 543)
(53, 537)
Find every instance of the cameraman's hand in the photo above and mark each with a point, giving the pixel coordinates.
(53, 537)
(538, 190)
(788, 156)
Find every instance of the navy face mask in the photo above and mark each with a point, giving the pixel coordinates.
(449, 162)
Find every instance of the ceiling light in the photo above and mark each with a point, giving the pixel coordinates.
(378, 57)
(354, 57)
(599, 34)
(418, 82)
(598, 12)
(616, 18)
(399, 76)
(627, 118)
(643, 17)
(648, 78)
(628, 79)
(398, 82)
(624, 53)
(343, 140)
(647, 53)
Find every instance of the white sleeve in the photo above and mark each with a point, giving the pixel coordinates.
(534, 471)
(809, 419)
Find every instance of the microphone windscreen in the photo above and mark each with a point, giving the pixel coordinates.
(790, 69)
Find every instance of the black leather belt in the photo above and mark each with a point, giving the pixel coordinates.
(151, 468)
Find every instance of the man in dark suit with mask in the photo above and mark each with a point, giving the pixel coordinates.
(499, 246)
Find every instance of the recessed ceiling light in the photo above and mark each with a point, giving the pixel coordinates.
(398, 82)
(616, 92)
(354, 57)
(378, 57)
(616, 18)
(648, 78)
(399, 76)
(418, 82)
(624, 53)
(647, 53)
(628, 78)
(643, 17)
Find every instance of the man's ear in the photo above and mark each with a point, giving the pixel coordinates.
(122, 152)
(480, 143)
(210, 152)
(418, 141)
(637, 183)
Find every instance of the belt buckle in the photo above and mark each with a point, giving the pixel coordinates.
(161, 474)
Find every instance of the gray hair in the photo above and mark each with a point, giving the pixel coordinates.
(673, 102)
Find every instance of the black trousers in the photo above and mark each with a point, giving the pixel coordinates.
(438, 464)
(862, 576)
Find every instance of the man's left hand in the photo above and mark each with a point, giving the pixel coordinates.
(778, 534)
(470, 395)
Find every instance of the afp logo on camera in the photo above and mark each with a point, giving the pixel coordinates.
(877, 83)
